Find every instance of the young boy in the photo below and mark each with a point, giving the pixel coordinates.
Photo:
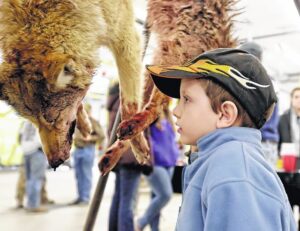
(225, 97)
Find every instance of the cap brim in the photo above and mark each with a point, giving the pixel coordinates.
(167, 78)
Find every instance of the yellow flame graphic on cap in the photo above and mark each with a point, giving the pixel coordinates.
(209, 66)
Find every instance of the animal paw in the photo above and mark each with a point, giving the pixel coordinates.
(131, 127)
(112, 155)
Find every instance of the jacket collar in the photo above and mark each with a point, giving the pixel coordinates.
(220, 136)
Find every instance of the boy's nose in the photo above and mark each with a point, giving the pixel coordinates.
(176, 112)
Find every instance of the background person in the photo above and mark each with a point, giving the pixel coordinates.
(128, 173)
(21, 189)
(84, 155)
(35, 163)
(289, 123)
(165, 152)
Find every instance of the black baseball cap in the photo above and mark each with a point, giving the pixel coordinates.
(237, 71)
(252, 48)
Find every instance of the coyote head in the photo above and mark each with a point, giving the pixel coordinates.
(49, 54)
(46, 94)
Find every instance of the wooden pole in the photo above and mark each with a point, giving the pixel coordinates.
(98, 195)
(97, 198)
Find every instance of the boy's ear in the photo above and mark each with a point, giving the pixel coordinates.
(228, 114)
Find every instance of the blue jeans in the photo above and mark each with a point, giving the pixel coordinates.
(161, 186)
(35, 168)
(121, 210)
(83, 164)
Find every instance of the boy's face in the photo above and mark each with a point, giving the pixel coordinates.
(195, 117)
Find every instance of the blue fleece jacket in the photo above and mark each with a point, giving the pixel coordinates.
(229, 186)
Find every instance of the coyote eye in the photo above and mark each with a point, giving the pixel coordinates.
(68, 70)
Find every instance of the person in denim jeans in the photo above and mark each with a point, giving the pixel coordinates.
(165, 153)
(83, 164)
(122, 206)
(35, 166)
(84, 155)
(128, 173)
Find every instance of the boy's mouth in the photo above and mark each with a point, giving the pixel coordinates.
(179, 130)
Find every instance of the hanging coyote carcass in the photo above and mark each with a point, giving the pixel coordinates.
(183, 30)
(50, 52)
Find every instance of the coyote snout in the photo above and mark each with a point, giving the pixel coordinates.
(57, 139)
(57, 154)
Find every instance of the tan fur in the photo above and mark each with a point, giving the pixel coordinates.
(44, 41)
(184, 29)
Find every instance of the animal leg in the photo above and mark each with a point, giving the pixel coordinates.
(127, 51)
(140, 121)
(128, 57)
(128, 129)
(114, 153)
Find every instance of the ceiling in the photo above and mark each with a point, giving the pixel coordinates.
(275, 25)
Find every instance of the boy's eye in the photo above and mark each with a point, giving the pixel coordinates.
(185, 99)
